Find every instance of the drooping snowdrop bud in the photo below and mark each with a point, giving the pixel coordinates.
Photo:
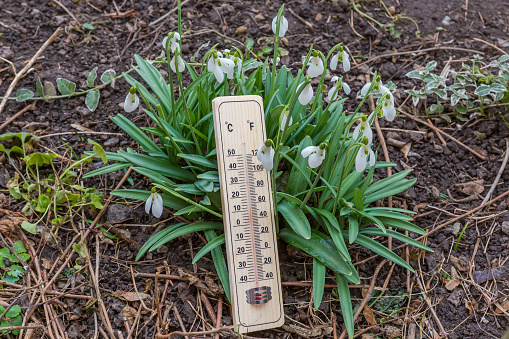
(376, 87)
(265, 155)
(174, 42)
(180, 63)
(131, 101)
(154, 202)
(342, 56)
(315, 65)
(306, 95)
(365, 128)
(283, 26)
(284, 118)
(333, 92)
(389, 111)
(219, 65)
(364, 155)
(316, 155)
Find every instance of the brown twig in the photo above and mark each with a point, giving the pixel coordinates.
(219, 314)
(431, 308)
(202, 333)
(480, 156)
(15, 116)
(27, 66)
(209, 308)
(310, 25)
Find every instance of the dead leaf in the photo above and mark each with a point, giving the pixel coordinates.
(471, 306)
(405, 149)
(132, 296)
(392, 332)
(81, 128)
(502, 307)
(471, 188)
(435, 192)
(459, 263)
(208, 286)
(130, 313)
(454, 282)
(396, 143)
(490, 274)
(369, 315)
(10, 223)
(46, 263)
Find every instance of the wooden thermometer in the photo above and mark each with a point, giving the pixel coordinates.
(248, 213)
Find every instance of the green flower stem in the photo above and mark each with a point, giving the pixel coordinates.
(276, 45)
(172, 192)
(356, 8)
(318, 176)
(322, 77)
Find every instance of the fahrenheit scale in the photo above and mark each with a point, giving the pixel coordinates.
(248, 213)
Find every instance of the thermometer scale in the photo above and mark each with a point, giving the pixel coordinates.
(248, 213)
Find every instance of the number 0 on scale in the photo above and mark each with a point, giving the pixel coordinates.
(248, 214)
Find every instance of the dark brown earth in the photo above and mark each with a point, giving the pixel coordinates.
(438, 168)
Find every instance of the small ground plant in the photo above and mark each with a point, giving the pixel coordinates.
(470, 91)
(322, 171)
(54, 194)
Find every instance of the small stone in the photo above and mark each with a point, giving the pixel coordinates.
(446, 21)
(439, 149)
(392, 10)
(417, 137)
(118, 213)
(4, 177)
(505, 227)
(241, 30)
(259, 17)
(162, 250)
(112, 142)
(85, 112)
(318, 17)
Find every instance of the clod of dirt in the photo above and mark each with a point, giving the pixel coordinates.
(118, 213)
(241, 30)
(111, 142)
(505, 227)
(4, 177)
(459, 263)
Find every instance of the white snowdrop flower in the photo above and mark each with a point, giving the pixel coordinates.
(333, 93)
(342, 56)
(174, 42)
(284, 118)
(283, 26)
(376, 88)
(364, 155)
(306, 95)
(265, 155)
(316, 155)
(365, 128)
(388, 109)
(155, 202)
(131, 101)
(219, 65)
(415, 101)
(180, 62)
(315, 65)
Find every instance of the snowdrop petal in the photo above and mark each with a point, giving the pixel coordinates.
(148, 204)
(357, 131)
(308, 150)
(346, 61)
(371, 157)
(227, 66)
(331, 95)
(360, 160)
(266, 156)
(334, 78)
(163, 43)
(368, 133)
(306, 95)
(283, 26)
(346, 88)
(315, 67)
(182, 65)
(157, 207)
(334, 62)
(131, 102)
(389, 112)
(284, 117)
(218, 73)
(211, 64)
(316, 159)
(364, 90)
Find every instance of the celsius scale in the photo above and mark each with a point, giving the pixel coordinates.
(248, 214)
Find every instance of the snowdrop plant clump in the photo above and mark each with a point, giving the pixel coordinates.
(321, 158)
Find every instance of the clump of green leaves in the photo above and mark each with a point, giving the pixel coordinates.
(55, 193)
(470, 91)
(10, 268)
(11, 318)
